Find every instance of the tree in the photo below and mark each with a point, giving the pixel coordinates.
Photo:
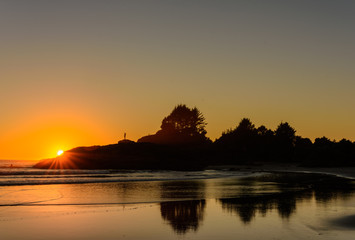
(286, 134)
(239, 144)
(323, 142)
(183, 125)
(245, 129)
(184, 120)
(303, 148)
(285, 141)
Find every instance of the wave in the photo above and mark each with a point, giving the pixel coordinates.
(30, 176)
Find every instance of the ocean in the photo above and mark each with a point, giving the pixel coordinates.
(21, 172)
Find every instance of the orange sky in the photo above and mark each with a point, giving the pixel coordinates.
(75, 76)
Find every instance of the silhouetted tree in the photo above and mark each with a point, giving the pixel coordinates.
(265, 141)
(285, 141)
(262, 131)
(245, 127)
(303, 147)
(286, 133)
(347, 148)
(184, 120)
(329, 153)
(240, 143)
(182, 126)
(244, 131)
(323, 142)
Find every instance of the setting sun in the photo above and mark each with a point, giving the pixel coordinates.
(60, 152)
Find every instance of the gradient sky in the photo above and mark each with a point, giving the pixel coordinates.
(76, 73)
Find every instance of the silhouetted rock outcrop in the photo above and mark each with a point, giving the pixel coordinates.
(130, 155)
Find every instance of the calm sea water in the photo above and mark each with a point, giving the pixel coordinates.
(107, 204)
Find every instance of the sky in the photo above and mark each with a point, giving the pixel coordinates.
(80, 73)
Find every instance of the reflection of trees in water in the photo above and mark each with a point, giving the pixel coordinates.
(247, 207)
(339, 189)
(172, 190)
(248, 197)
(293, 188)
(183, 215)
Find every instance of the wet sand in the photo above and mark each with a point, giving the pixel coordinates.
(347, 172)
(267, 206)
(347, 222)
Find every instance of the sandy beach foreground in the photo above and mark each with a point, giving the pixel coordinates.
(267, 205)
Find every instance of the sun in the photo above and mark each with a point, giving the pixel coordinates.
(60, 152)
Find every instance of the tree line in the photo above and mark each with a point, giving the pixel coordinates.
(181, 144)
(247, 143)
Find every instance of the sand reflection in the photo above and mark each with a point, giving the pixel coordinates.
(283, 192)
(183, 215)
(170, 209)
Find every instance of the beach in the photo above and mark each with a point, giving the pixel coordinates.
(246, 203)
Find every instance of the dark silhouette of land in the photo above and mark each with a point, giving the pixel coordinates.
(181, 144)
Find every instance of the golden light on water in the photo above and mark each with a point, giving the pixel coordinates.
(60, 152)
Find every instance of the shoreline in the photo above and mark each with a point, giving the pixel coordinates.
(344, 172)
(227, 171)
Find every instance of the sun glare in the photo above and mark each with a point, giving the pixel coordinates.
(60, 152)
